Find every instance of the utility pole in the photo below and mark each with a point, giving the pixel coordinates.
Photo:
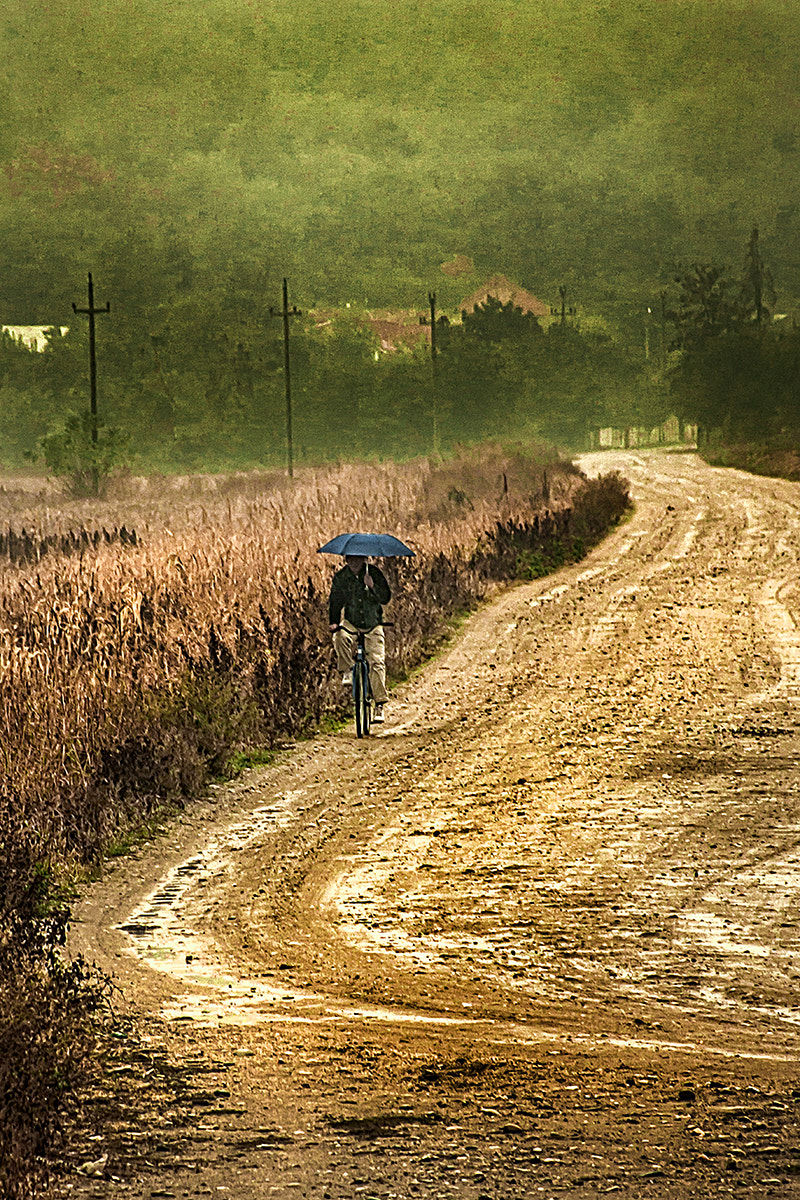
(757, 284)
(434, 372)
(287, 312)
(91, 312)
(648, 314)
(564, 311)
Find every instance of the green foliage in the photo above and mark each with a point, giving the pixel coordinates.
(181, 393)
(494, 321)
(531, 565)
(244, 760)
(707, 305)
(580, 147)
(83, 462)
(129, 839)
(535, 564)
(584, 145)
(737, 372)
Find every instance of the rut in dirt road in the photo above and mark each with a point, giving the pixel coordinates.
(576, 835)
(628, 832)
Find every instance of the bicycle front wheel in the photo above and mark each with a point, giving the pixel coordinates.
(362, 699)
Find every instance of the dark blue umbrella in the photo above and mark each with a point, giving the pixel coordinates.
(376, 545)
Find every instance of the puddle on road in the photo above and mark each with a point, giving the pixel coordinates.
(654, 1046)
(153, 915)
(163, 929)
(163, 933)
(243, 1004)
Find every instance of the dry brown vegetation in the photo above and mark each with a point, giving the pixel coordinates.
(135, 669)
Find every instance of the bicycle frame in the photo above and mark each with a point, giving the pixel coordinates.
(363, 700)
(362, 690)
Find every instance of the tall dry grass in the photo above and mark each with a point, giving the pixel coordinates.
(131, 670)
(105, 649)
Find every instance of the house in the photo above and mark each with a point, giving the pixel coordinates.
(34, 337)
(394, 330)
(504, 290)
(398, 331)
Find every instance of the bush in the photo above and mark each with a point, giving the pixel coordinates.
(85, 463)
(49, 1014)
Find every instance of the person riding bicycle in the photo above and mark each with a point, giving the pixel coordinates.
(358, 592)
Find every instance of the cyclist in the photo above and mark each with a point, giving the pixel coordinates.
(358, 592)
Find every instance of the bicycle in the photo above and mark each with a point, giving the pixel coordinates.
(362, 689)
(363, 701)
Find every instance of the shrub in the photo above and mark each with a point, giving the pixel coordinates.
(49, 1015)
(84, 454)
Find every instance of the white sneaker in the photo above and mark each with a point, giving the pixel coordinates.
(378, 717)
(347, 679)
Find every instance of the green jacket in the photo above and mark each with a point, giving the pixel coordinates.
(362, 605)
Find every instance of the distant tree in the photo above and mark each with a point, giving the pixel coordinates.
(735, 370)
(494, 321)
(82, 462)
(711, 303)
(707, 305)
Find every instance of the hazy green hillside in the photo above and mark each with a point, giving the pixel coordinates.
(205, 149)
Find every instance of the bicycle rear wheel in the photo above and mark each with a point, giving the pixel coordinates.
(362, 699)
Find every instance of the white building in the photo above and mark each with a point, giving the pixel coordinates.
(35, 337)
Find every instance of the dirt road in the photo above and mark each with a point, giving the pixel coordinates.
(538, 938)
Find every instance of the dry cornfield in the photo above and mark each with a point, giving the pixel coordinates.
(130, 668)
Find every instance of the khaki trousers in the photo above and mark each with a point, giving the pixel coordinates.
(344, 643)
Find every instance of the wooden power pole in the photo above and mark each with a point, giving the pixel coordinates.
(434, 372)
(91, 312)
(285, 313)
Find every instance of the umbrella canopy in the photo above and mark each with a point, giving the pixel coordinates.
(377, 545)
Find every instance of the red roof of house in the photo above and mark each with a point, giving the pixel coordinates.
(398, 330)
(504, 290)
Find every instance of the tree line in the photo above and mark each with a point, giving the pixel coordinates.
(588, 144)
(185, 392)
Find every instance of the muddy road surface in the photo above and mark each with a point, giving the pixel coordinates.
(538, 937)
